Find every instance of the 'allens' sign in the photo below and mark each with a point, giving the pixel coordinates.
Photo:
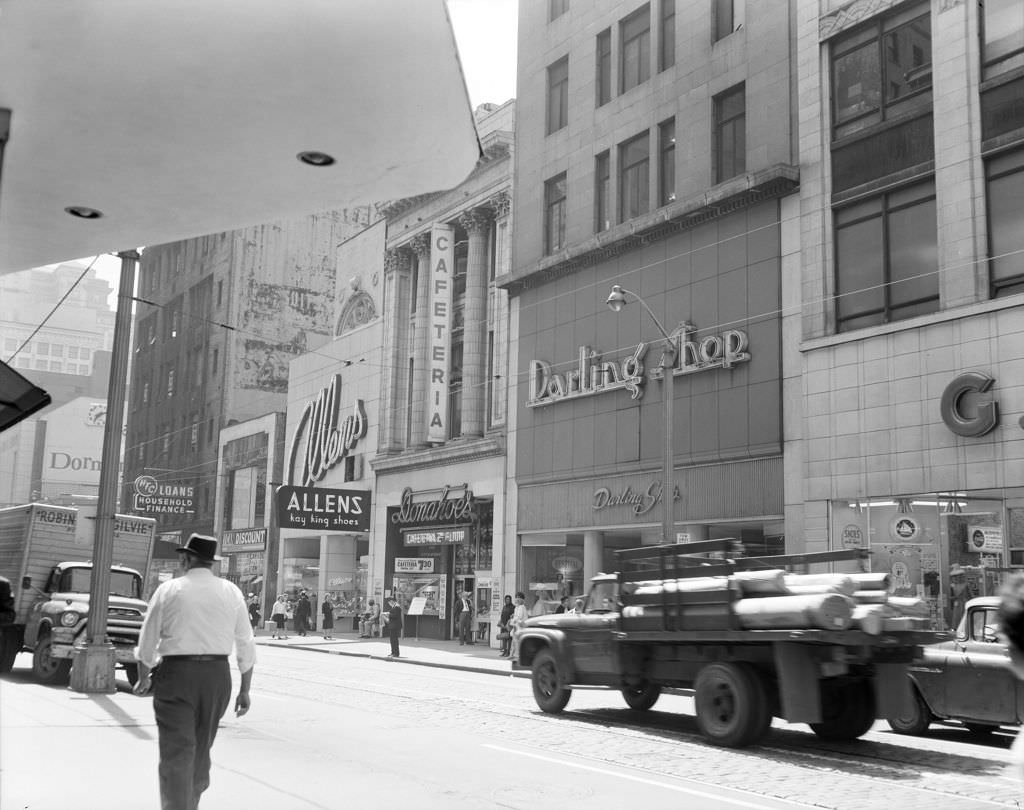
(325, 509)
(319, 436)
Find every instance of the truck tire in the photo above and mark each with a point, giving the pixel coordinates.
(550, 695)
(643, 697)
(10, 646)
(917, 719)
(46, 668)
(732, 707)
(847, 710)
(131, 672)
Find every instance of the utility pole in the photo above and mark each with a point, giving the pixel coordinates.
(93, 668)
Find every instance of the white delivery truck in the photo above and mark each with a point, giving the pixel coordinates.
(46, 553)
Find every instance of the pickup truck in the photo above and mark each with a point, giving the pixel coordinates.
(967, 678)
(747, 658)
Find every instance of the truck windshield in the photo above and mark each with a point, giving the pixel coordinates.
(79, 580)
(604, 597)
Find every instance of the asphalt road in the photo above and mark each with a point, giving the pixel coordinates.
(332, 731)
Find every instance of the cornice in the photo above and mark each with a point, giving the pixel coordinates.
(455, 451)
(725, 198)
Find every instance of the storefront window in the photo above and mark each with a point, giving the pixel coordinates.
(944, 548)
(551, 572)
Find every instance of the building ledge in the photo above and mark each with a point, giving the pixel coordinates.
(455, 451)
(725, 198)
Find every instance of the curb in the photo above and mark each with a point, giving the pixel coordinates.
(512, 673)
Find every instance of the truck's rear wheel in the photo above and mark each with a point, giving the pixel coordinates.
(916, 720)
(45, 667)
(550, 694)
(10, 646)
(641, 697)
(131, 672)
(732, 708)
(847, 710)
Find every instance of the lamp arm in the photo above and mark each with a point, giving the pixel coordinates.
(664, 334)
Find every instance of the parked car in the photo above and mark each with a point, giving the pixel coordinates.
(967, 679)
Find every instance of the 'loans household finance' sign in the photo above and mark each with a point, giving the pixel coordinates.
(346, 510)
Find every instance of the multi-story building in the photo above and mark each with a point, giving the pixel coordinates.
(415, 379)
(39, 337)
(219, 317)
(906, 396)
(655, 150)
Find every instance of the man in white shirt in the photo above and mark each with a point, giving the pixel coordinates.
(192, 624)
(464, 618)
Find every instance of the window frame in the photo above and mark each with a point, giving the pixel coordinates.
(999, 167)
(727, 125)
(638, 40)
(887, 208)
(888, 109)
(558, 95)
(635, 176)
(667, 161)
(602, 191)
(667, 35)
(603, 68)
(555, 207)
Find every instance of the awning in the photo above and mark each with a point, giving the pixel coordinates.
(179, 118)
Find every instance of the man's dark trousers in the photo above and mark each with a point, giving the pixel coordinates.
(189, 699)
(465, 627)
(393, 633)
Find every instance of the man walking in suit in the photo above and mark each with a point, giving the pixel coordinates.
(394, 625)
(464, 618)
(192, 624)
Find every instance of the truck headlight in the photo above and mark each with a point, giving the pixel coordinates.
(69, 619)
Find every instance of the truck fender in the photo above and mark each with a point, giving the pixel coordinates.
(533, 641)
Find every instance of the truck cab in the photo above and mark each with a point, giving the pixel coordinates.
(968, 678)
(56, 623)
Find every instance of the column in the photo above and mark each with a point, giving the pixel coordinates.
(396, 328)
(420, 341)
(474, 332)
(593, 556)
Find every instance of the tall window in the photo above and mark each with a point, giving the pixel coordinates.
(726, 13)
(730, 134)
(558, 94)
(667, 162)
(667, 43)
(882, 70)
(554, 214)
(1003, 26)
(455, 386)
(604, 67)
(887, 258)
(634, 177)
(602, 192)
(1005, 176)
(635, 32)
(556, 8)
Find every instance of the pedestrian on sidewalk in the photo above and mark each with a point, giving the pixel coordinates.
(394, 624)
(369, 624)
(191, 626)
(277, 614)
(464, 618)
(505, 627)
(302, 613)
(254, 611)
(519, 617)
(327, 609)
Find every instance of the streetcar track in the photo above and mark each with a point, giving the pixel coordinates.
(660, 744)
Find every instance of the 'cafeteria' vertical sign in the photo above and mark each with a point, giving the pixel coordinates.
(442, 259)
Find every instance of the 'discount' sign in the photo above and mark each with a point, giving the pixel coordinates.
(323, 509)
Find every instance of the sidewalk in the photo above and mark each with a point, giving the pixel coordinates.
(422, 652)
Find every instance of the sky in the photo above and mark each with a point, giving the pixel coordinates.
(485, 33)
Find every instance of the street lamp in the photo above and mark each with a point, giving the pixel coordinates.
(616, 301)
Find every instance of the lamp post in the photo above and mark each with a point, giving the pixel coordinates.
(616, 301)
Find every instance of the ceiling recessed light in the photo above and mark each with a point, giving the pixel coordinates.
(316, 158)
(83, 212)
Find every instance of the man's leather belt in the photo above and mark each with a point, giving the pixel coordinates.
(195, 658)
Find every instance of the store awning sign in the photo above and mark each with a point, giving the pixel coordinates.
(436, 537)
(414, 565)
(345, 510)
(244, 540)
